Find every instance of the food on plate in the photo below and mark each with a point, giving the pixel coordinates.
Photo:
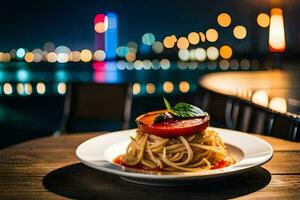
(175, 139)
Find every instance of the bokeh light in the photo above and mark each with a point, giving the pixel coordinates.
(277, 41)
(192, 65)
(130, 57)
(51, 57)
(212, 35)
(122, 51)
(173, 38)
(49, 46)
(28, 88)
(184, 86)
(155, 64)
(157, 47)
(245, 64)
(150, 88)
(100, 23)
(41, 88)
(99, 55)
(224, 64)
(165, 64)
(192, 54)
(169, 42)
(212, 65)
(148, 38)
(194, 38)
(138, 64)
(61, 75)
(45, 56)
(260, 97)
(101, 27)
(121, 64)
(74, 56)
(7, 89)
(226, 52)
(202, 37)
(168, 87)
(20, 53)
(240, 32)
(38, 55)
(254, 64)
(62, 57)
(29, 57)
(224, 19)
(12, 53)
(62, 49)
(200, 54)
(62, 53)
(234, 64)
(129, 66)
(212, 53)
(132, 46)
(5, 57)
(278, 104)
(183, 54)
(61, 88)
(86, 55)
(147, 64)
(182, 43)
(263, 20)
(23, 75)
(20, 89)
(136, 88)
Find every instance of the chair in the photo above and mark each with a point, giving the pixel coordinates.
(214, 104)
(285, 127)
(94, 107)
(248, 117)
(256, 119)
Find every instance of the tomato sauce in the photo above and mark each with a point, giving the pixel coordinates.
(118, 161)
(221, 164)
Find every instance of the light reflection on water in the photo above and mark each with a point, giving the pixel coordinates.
(154, 71)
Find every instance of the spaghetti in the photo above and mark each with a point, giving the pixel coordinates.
(196, 152)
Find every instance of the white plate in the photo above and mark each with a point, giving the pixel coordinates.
(249, 151)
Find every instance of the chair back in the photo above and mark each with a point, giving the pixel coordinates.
(238, 114)
(92, 106)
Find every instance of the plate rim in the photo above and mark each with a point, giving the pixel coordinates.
(186, 175)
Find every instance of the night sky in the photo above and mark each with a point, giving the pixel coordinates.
(31, 23)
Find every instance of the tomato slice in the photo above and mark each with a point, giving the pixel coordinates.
(171, 127)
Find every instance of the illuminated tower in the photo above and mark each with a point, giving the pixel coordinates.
(111, 36)
(100, 27)
(106, 34)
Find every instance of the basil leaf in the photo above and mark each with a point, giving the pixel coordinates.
(167, 104)
(187, 110)
(180, 110)
(168, 107)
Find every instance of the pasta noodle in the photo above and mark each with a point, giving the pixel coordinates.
(191, 153)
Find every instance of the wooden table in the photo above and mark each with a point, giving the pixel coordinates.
(47, 168)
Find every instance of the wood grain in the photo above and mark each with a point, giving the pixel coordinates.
(47, 168)
(280, 144)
